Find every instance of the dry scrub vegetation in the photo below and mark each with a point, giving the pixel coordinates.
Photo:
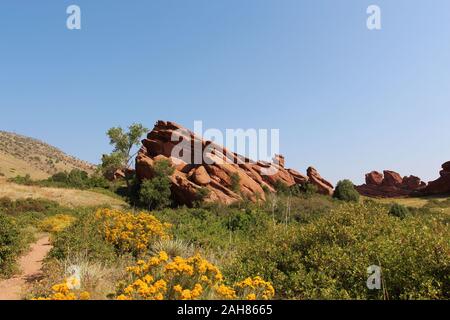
(20, 155)
(65, 197)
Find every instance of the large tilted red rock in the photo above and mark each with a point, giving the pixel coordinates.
(215, 169)
(390, 184)
(323, 186)
(441, 185)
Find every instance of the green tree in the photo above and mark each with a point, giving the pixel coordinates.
(345, 190)
(123, 143)
(155, 192)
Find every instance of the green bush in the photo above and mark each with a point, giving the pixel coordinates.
(26, 205)
(201, 195)
(345, 191)
(82, 237)
(309, 189)
(10, 244)
(76, 179)
(235, 182)
(281, 187)
(24, 180)
(155, 193)
(241, 220)
(399, 211)
(328, 257)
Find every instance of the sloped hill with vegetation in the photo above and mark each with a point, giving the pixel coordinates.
(21, 155)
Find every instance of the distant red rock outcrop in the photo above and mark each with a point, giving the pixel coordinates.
(390, 184)
(215, 169)
(442, 184)
(323, 186)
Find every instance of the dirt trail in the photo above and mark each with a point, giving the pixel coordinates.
(30, 266)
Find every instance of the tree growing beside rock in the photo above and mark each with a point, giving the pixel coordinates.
(155, 193)
(121, 157)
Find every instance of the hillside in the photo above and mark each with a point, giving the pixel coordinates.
(21, 155)
(71, 198)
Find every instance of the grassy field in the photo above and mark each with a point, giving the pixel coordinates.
(65, 197)
(435, 203)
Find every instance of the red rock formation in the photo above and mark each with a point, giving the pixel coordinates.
(374, 178)
(279, 159)
(392, 178)
(442, 184)
(324, 187)
(390, 185)
(120, 174)
(413, 183)
(215, 169)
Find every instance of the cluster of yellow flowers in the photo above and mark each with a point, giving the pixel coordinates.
(62, 291)
(255, 288)
(56, 223)
(161, 278)
(131, 232)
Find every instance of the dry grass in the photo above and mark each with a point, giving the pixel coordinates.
(20, 155)
(418, 202)
(66, 197)
(97, 278)
(409, 202)
(11, 167)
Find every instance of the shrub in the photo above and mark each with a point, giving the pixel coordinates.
(328, 257)
(162, 278)
(235, 182)
(63, 291)
(399, 211)
(10, 244)
(97, 278)
(56, 223)
(281, 187)
(76, 178)
(173, 248)
(83, 237)
(25, 180)
(241, 220)
(201, 195)
(265, 189)
(309, 189)
(129, 232)
(345, 191)
(156, 193)
(198, 226)
(26, 205)
(59, 177)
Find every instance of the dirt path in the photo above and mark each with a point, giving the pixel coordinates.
(30, 265)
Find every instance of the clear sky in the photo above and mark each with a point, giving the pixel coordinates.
(346, 100)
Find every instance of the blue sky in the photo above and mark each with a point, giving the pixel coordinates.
(346, 100)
